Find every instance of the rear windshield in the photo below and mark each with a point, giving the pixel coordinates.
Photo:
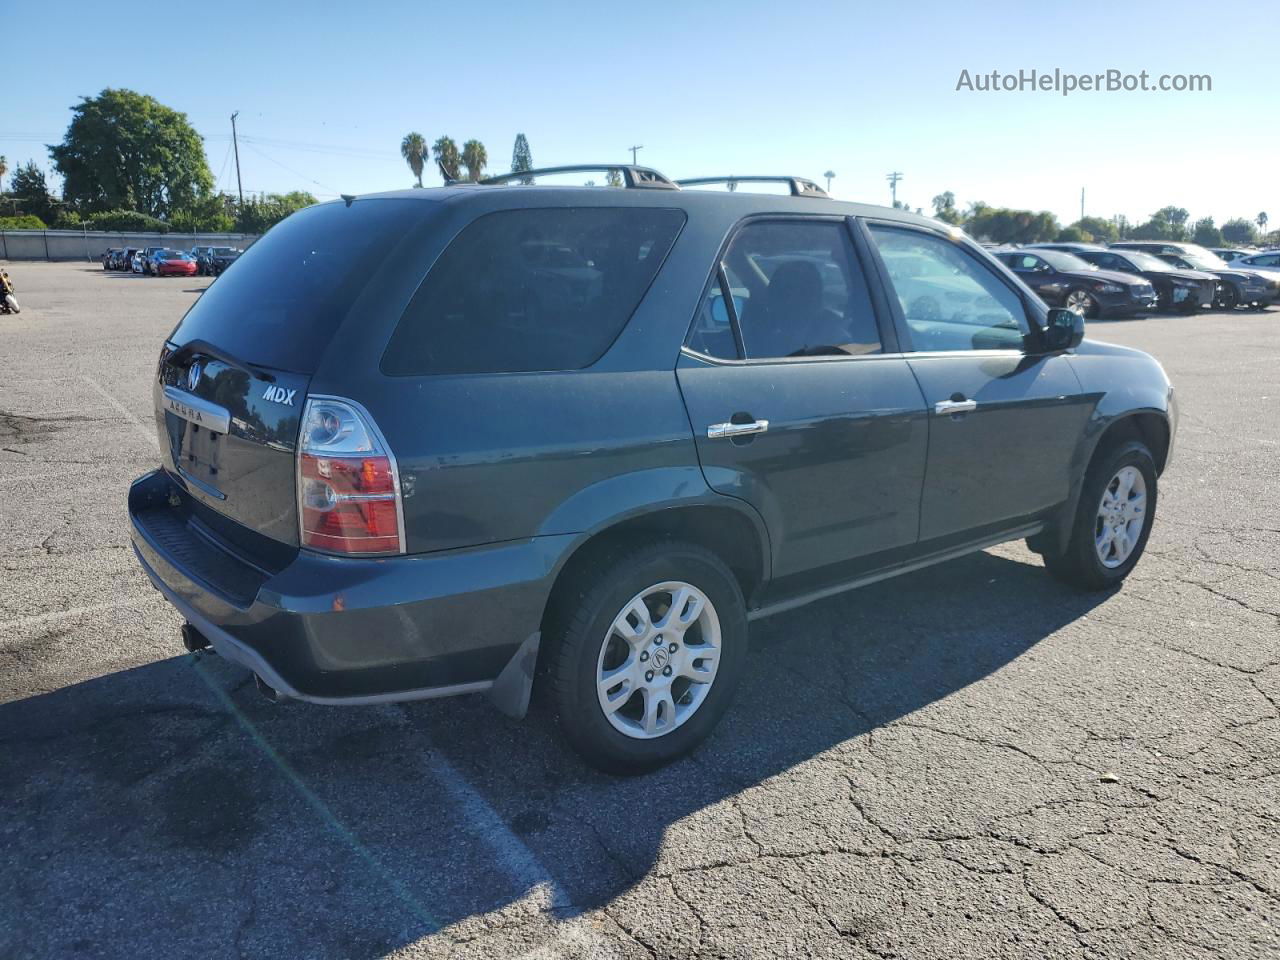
(281, 301)
(537, 289)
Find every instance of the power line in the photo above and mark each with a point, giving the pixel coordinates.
(296, 173)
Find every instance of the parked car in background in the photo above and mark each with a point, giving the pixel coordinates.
(370, 484)
(1183, 290)
(125, 260)
(1065, 280)
(1230, 254)
(148, 257)
(1267, 262)
(1237, 285)
(221, 258)
(110, 257)
(137, 263)
(173, 263)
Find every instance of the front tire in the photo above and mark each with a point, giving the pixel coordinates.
(647, 653)
(1113, 519)
(1228, 299)
(1082, 302)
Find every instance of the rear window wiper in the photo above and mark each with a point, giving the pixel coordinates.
(209, 350)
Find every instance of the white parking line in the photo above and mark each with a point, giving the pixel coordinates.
(515, 858)
(150, 434)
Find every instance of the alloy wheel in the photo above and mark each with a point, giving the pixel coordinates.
(1080, 302)
(1121, 516)
(658, 660)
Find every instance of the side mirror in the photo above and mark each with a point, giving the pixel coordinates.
(1064, 330)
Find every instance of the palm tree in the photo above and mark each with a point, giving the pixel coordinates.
(474, 158)
(1261, 219)
(829, 174)
(414, 150)
(4, 168)
(447, 158)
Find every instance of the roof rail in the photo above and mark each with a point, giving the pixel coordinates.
(633, 177)
(800, 187)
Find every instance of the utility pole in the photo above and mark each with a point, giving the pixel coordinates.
(235, 144)
(1082, 203)
(633, 152)
(893, 179)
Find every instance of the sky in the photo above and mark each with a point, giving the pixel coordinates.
(326, 91)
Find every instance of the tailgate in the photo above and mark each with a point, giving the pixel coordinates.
(228, 432)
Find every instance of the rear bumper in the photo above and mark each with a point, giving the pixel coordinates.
(348, 631)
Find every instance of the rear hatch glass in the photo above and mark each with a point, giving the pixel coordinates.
(285, 296)
(235, 373)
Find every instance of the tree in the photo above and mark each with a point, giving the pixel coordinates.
(214, 213)
(124, 150)
(1206, 234)
(258, 215)
(1239, 231)
(1073, 234)
(1261, 219)
(613, 178)
(447, 158)
(475, 158)
(4, 168)
(1012, 226)
(944, 208)
(1101, 230)
(1167, 223)
(31, 190)
(521, 158)
(415, 152)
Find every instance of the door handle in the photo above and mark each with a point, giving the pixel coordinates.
(718, 430)
(949, 407)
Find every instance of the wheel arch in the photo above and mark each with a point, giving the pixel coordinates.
(1148, 425)
(726, 527)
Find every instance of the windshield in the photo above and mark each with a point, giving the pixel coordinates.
(1145, 261)
(1061, 260)
(1203, 259)
(220, 250)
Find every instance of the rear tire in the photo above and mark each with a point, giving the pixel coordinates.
(611, 623)
(1228, 299)
(1107, 537)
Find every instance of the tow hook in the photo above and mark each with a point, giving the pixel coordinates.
(193, 639)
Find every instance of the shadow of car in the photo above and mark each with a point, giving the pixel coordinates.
(137, 802)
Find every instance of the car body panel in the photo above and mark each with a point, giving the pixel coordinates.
(505, 476)
(838, 472)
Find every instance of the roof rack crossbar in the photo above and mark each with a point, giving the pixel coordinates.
(800, 187)
(633, 177)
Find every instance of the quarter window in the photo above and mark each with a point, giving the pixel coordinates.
(949, 300)
(795, 290)
(537, 289)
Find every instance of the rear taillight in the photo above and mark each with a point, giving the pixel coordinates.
(348, 489)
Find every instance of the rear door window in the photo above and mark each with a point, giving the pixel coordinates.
(796, 291)
(535, 289)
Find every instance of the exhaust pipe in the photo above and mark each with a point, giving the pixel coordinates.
(193, 639)
(268, 691)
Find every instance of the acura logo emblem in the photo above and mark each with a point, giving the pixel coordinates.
(193, 376)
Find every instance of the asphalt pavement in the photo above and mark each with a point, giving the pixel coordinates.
(972, 761)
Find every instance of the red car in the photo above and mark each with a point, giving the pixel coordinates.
(173, 263)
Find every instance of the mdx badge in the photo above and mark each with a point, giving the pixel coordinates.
(279, 395)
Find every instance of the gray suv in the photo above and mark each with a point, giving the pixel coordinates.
(493, 437)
